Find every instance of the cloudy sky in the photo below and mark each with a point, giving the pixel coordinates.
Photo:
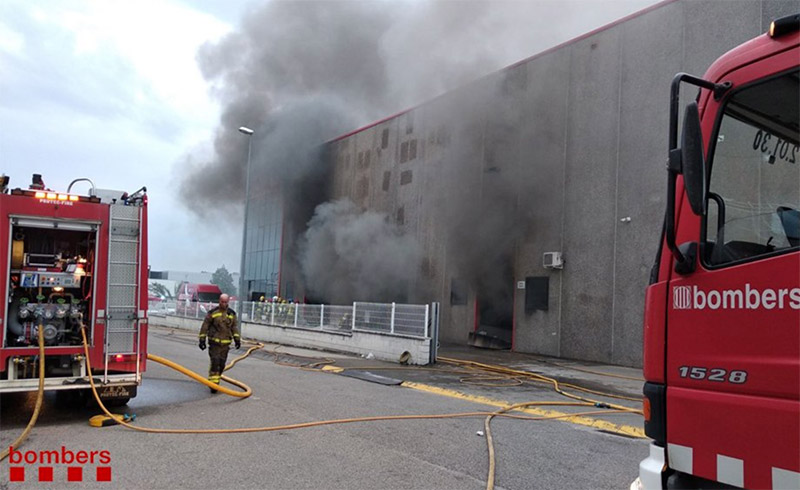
(132, 93)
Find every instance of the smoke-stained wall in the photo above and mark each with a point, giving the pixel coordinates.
(299, 73)
(552, 154)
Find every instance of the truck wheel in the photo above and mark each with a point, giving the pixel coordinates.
(72, 398)
(116, 396)
(116, 401)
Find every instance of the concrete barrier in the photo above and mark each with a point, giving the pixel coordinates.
(384, 347)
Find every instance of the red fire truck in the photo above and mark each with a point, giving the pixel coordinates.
(197, 299)
(722, 317)
(70, 260)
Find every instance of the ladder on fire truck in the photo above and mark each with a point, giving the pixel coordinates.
(124, 312)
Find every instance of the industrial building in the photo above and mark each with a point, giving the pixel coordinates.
(536, 193)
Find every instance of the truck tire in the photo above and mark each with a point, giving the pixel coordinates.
(116, 396)
(73, 398)
(116, 401)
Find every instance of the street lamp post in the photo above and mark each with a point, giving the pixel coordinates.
(242, 293)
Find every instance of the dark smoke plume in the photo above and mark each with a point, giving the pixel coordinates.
(287, 52)
(291, 160)
(351, 254)
(482, 220)
(300, 73)
(377, 58)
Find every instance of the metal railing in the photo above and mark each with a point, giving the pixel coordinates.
(392, 318)
(384, 318)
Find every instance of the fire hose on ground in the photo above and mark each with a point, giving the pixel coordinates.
(247, 392)
(39, 398)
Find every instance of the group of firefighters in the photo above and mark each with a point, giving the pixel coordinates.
(282, 308)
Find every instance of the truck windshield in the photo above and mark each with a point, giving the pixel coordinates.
(208, 297)
(755, 177)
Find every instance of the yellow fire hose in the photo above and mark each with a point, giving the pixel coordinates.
(39, 398)
(241, 394)
(489, 441)
(247, 392)
(105, 421)
(552, 381)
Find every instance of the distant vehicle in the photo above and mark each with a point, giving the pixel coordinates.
(197, 299)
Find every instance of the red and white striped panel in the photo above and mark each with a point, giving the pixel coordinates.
(729, 470)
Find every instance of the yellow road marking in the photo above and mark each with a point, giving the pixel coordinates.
(626, 430)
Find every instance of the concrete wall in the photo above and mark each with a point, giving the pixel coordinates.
(585, 150)
(384, 347)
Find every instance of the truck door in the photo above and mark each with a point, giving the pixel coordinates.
(733, 337)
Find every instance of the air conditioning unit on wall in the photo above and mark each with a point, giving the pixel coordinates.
(552, 260)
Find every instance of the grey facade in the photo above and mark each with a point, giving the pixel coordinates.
(563, 152)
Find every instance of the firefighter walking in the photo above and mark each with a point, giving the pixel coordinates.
(219, 329)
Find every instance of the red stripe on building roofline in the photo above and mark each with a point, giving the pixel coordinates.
(514, 65)
(376, 123)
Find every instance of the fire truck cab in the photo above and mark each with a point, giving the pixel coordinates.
(722, 313)
(69, 261)
(197, 299)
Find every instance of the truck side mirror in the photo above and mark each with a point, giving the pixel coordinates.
(692, 160)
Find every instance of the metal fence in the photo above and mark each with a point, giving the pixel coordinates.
(386, 318)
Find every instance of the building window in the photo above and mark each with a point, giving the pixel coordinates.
(537, 294)
(405, 177)
(409, 123)
(412, 150)
(385, 138)
(458, 292)
(404, 152)
(387, 177)
(362, 188)
(401, 216)
(363, 160)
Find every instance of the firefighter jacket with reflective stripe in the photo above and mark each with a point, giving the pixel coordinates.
(220, 326)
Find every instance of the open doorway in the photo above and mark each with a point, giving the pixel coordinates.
(494, 311)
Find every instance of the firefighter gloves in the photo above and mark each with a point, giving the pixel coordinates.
(238, 343)
(202, 344)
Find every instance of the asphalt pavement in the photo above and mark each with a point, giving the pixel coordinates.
(499, 378)
(292, 386)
